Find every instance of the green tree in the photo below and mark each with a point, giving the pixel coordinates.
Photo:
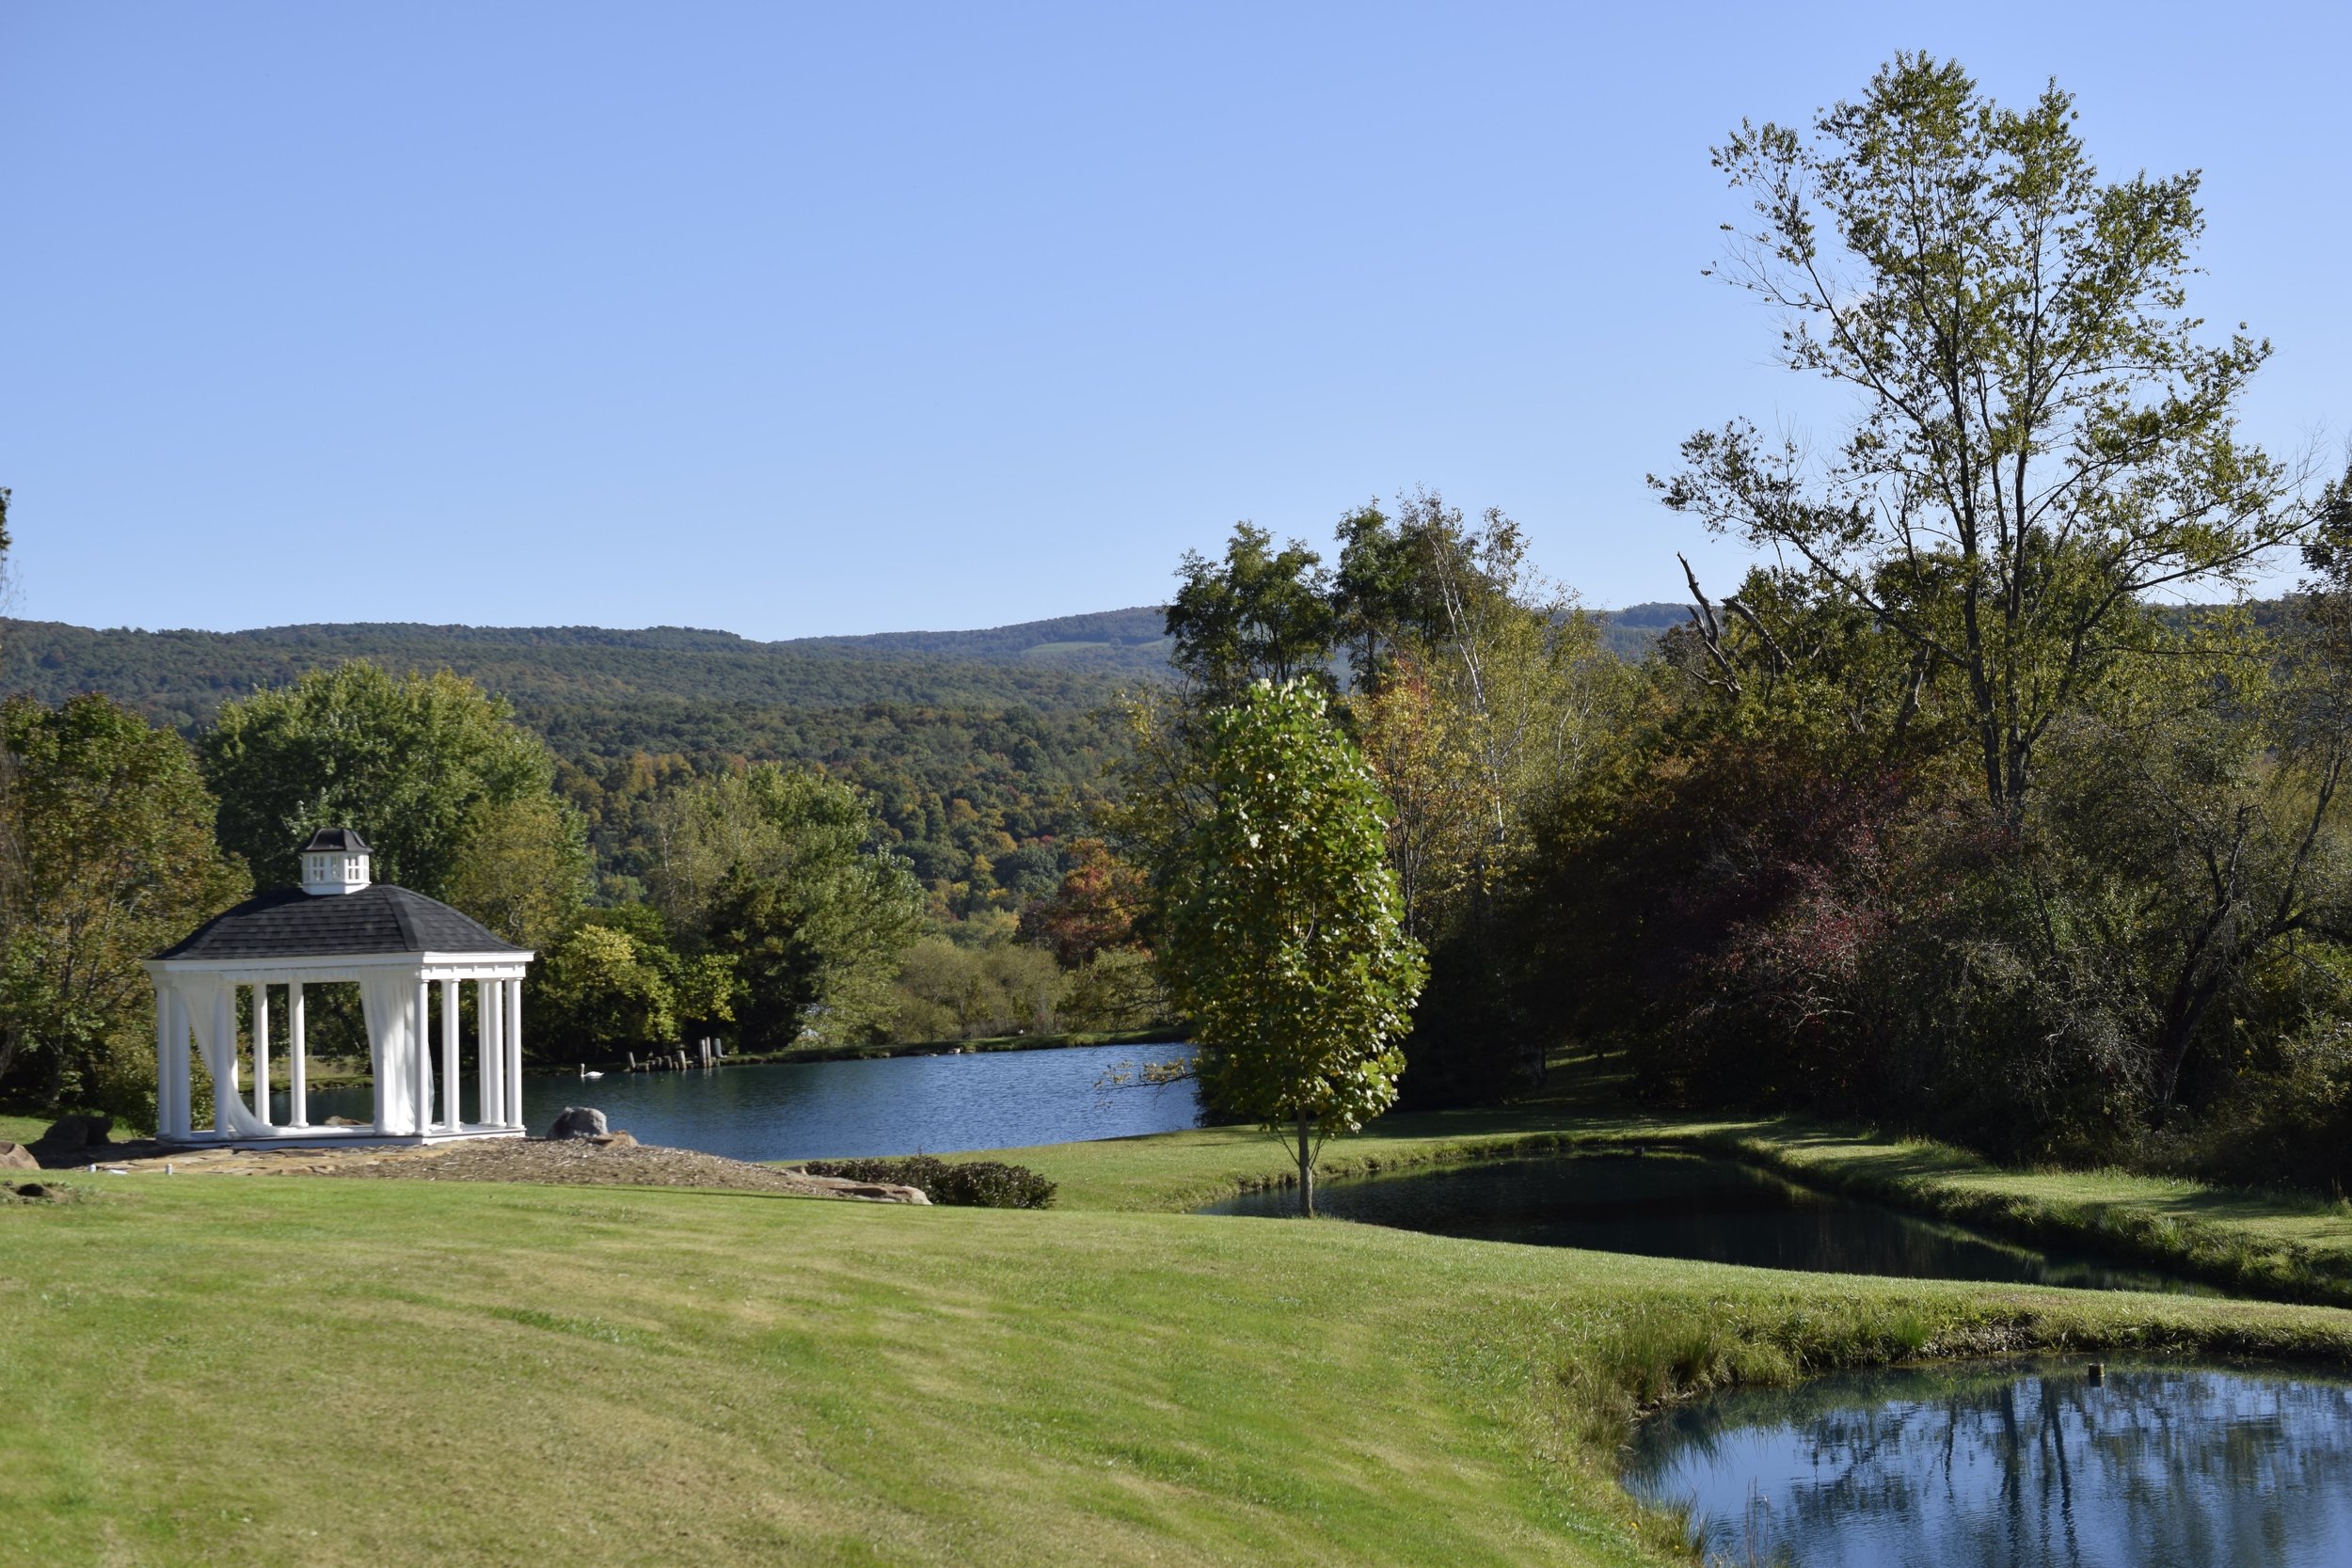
(599, 993)
(777, 870)
(106, 856)
(426, 766)
(1258, 614)
(1284, 945)
(524, 866)
(615, 981)
(2042, 434)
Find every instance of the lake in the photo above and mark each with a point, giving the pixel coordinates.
(841, 1110)
(1686, 1206)
(2016, 1465)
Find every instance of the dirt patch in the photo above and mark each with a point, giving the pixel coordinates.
(571, 1163)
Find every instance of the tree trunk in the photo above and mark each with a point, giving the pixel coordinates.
(1306, 1173)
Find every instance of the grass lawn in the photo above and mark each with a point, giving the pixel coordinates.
(282, 1370)
(269, 1370)
(23, 1130)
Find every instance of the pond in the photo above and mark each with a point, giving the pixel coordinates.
(1684, 1206)
(2017, 1465)
(840, 1109)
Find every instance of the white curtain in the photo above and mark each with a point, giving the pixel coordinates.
(219, 1049)
(388, 997)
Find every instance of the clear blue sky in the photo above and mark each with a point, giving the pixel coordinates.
(844, 318)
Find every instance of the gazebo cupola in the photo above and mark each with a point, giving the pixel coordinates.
(335, 861)
(410, 956)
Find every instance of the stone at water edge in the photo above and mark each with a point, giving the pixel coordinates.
(578, 1121)
(17, 1157)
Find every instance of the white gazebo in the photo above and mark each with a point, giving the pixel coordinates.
(400, 948)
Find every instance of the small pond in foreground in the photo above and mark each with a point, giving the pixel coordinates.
(842, 1110)
(2015, 1466)
(1686, 1206)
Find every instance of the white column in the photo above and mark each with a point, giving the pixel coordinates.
(420, 1041)
(261, 1051)
(225, 1031)
(489, 1052)
(299, 1106)
(180, 1078)
(450, 1101)
(513, 1044)
(162, 1061)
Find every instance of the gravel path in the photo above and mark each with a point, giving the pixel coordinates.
(573, 1161)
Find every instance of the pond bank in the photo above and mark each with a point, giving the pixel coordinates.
(2275, 1246)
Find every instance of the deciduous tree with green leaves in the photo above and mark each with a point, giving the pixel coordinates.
(108, 834)
(1285, 945)
(2043, 434)
(779, 870)
(437, 777)
(1259, 615)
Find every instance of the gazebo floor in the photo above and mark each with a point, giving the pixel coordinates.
(339, 1138)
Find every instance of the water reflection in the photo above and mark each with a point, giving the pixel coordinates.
(2162, 1466)
(1683, 1206)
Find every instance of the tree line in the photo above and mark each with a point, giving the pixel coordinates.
(1949, 815)
(768, 903)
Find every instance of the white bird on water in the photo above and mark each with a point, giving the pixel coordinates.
(585, 1073)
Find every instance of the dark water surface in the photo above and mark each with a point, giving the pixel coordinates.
(839, 1110)
(1684, 1206)
(2019, 1465)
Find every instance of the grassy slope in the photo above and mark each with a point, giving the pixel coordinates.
(284, 1370)
(290, 1369)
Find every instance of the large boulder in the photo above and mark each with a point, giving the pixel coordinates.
(17, 1157)
(68, 1133)
(868, 1191)
(578, 1121)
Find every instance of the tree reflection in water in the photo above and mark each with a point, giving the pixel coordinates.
(2162, 1465)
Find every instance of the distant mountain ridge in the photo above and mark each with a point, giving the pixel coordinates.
(180, 676)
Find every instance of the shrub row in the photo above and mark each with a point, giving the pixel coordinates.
(967, 1185)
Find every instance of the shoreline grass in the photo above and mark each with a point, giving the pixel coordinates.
(2272, 1245)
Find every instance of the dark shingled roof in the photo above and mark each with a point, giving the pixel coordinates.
(336, 839)
(292, 923)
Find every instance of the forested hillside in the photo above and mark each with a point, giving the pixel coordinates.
(981, 750)
(181, 676)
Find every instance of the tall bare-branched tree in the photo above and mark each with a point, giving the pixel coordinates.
(2045, 435)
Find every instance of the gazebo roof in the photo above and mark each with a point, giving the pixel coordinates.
(382, 919)
(336, 841)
